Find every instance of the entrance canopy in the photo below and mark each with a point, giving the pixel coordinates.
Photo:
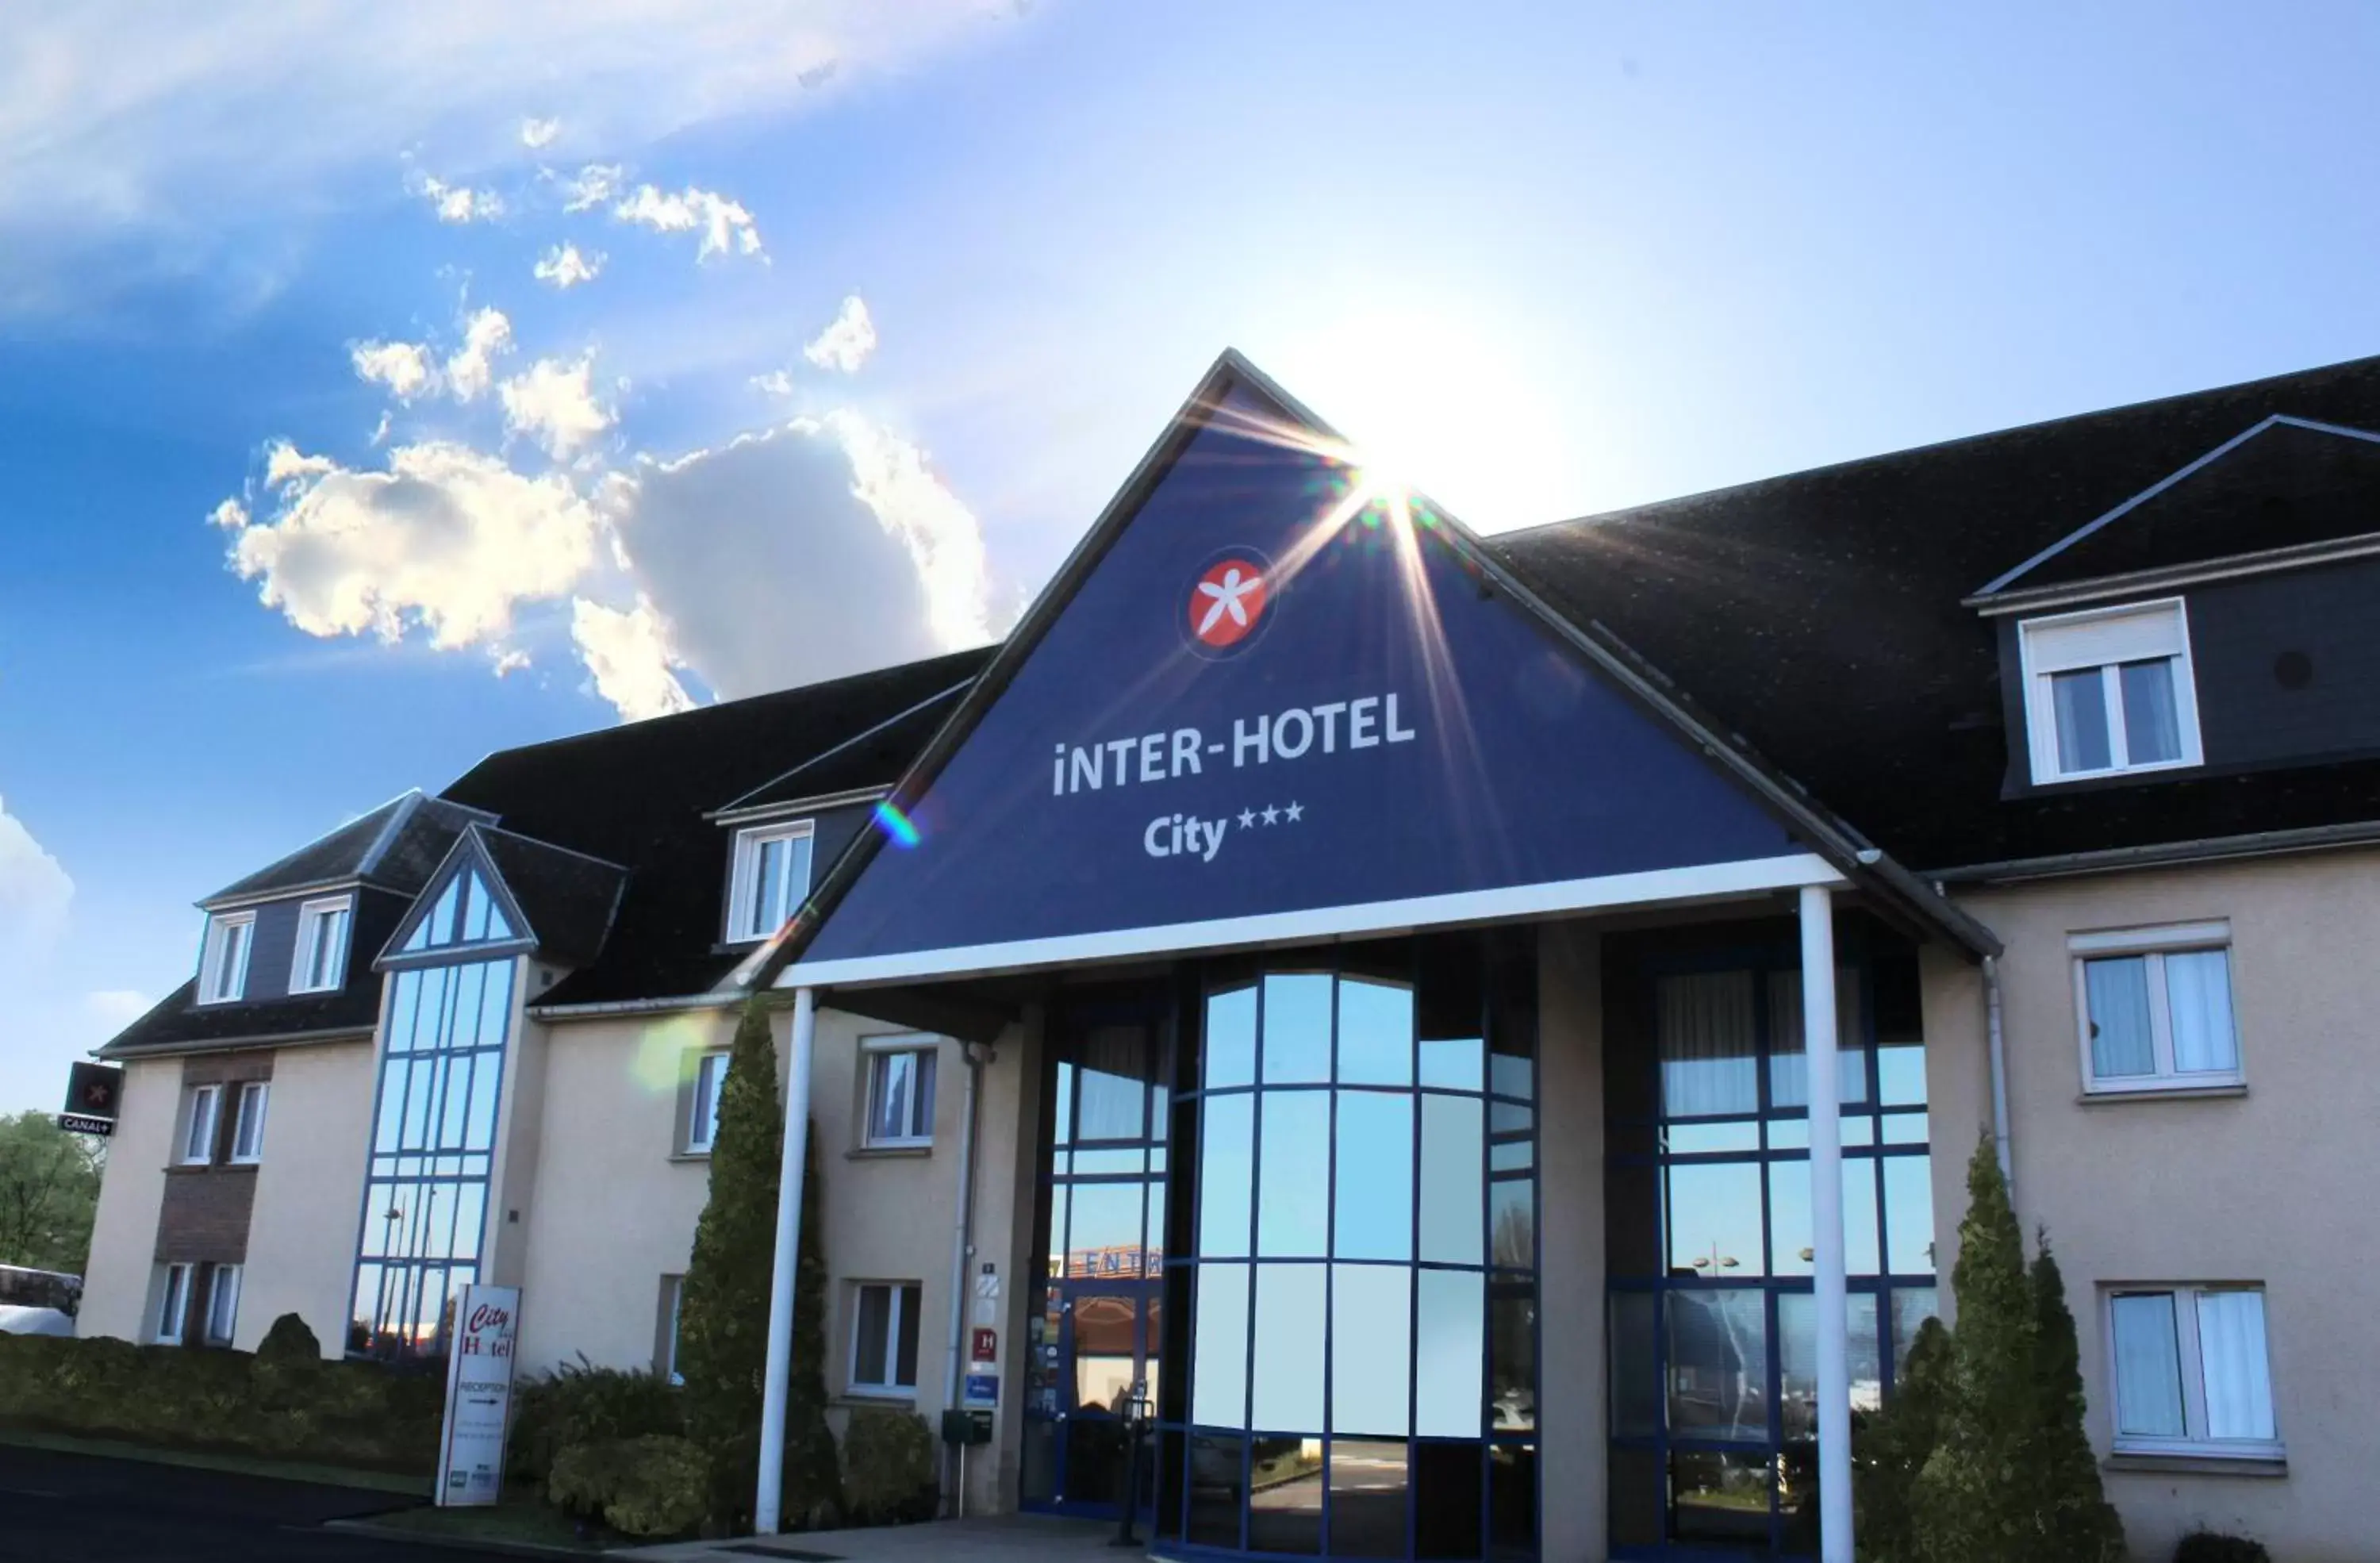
(1272, 698)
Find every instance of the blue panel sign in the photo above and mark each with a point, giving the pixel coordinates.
(981, 1390)
(1274, 694)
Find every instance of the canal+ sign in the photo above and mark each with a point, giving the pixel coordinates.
(1265, 700)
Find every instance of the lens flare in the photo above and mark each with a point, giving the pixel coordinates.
(897, 825)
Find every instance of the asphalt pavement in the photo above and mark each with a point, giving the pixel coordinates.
(54, 1507)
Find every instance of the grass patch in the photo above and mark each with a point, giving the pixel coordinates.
(522, 1519)
(218, 1460)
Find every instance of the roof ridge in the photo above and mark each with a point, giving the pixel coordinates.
(484, 829)
(828, 754)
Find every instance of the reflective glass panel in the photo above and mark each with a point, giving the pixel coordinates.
(2151, 725)
(1452, 1169)
(1718, 1364)
(1901, 1073)
(1374, 1186)
(1230, 1043)
(1219, 1485)
(1447, 1358)
(1714, 1224)
(1219, 1375)
(1720, 1499)
(1371, 1341)
(1512, 1360)
(1226, 1162)
(2198, 999)
(2079, 706)
(1375, 1034)
(1788, 1066)
(1296, 1028)
(1704, 1025)
(2116, 992)
(1285, 1383)
(1797, 1359)
(1636, 1369)
(1285, 1495)
(1513, 1223)
(1293, 1202)
(1909, 1215)
(2148, 1366)
(1912, 1306)
(1707, 1139)
(1369, 1479)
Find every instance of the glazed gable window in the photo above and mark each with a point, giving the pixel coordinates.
(2109, 692)
(771, 875)
(222, 962)
(2155, 1009)
(2192, 1372)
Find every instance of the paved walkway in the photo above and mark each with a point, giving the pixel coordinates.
(1012, 1538)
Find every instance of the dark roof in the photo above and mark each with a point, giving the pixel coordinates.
(639, 795)
(2282, 483)
(1819, 616)
(395, 846)
(174, 1024)
(871, 759)
(567, 897)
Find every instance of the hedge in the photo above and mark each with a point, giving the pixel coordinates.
(652, 1486)
(891, 1468)
(277, 1405)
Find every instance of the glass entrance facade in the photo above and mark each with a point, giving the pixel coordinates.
(1322, 1265)
(1708, 1227)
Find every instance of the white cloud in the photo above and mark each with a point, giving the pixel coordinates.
(725, 225)
(404, 367)
(891, 478)
(472, 369)
(591, 185)
(565, 266)
(286, 468)
(34, 894)
(445, 538)
(459, 203)
(776, 382)
(554, 403)
(127, 127)
(847, 341)
(629, 654)
(536, 133)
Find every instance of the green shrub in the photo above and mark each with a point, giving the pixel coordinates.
(657, 1485)
(1891, 1447)
(361, 1414)
(580, 1403)
(2208, 1546)
(890, 1467)
(289, 1341)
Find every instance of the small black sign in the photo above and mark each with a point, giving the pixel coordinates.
(92, 1090)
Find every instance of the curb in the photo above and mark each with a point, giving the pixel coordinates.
(462, 1543)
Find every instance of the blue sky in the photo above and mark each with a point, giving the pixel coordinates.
(1544, 260)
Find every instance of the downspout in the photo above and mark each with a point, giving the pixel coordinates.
(963, 1241)
(1999, 1049)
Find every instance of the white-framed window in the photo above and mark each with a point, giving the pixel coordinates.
(2190, 1371)
(2110, 692)
(702, 1102)
(248, 1124)
(2155, 1009)
(223, 1304)
(672, 1303)
(771, 876)
(899, 1091)
(222, 962)
(201, 1105)
(173, 1305)
(321, 964)
(884, 1337)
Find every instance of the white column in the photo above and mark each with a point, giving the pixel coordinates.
(769, 1501)
(1818, 1043)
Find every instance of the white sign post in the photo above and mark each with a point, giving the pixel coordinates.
(479, 1396)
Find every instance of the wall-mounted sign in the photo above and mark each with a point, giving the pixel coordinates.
(479, 1396)
(983, 1389)
(93, 1092)
(1270, 698)
(986, 1346)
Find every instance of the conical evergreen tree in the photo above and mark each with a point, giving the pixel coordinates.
(2077, 1521)
(1975, 1500)
(1890, 1448)
(723, 1311)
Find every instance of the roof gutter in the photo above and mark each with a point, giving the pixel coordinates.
(2159, 855)
(109, 1051)
(636, 1006)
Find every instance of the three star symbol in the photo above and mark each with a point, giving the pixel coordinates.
(1272, 815)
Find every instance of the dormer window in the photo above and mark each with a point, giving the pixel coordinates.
(2110, 692)
(321, 960)
(771, 876)
(223, 960)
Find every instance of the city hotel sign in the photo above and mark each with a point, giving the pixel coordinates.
(1263, 696)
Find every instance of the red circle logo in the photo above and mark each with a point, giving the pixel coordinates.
(1227, 602)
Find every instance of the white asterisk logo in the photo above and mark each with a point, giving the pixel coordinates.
(1226, 597)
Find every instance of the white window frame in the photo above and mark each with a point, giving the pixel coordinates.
(710, 1079)
(2039, 659)
(313, 915)
(246, 1123)
(217, 984)
(674, 1288)
(2154, 944)
(2191, 1365)
(873, 1051)
(855, 1381)
(745, 863)
(201, 1105)
(218, 1277)
(173, 1306)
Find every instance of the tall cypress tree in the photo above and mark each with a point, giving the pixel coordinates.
(1890, 1448)
(1975, 1501)
(2077, 1521)
(723, 1311)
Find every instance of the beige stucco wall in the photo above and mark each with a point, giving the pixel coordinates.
(2273, 1186)
(1572, 1402)
(124, 1235)
(301, 1236)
